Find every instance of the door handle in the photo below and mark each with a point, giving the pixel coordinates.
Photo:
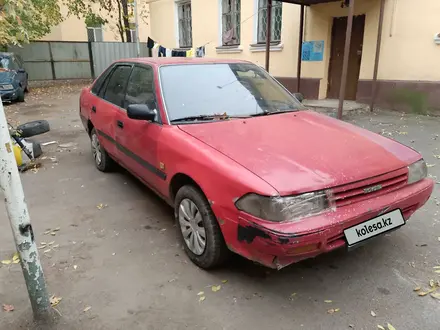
(120, 124)
(94, 109)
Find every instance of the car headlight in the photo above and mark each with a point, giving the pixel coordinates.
(279, 209)
(7, 86)
(417, 171)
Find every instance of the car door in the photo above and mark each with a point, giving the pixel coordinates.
(106, 104)
(138, 139)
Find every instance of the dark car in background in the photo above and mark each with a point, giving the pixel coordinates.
(13, 78)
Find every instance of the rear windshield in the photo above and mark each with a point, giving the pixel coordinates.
(5, 63)
(237, 89)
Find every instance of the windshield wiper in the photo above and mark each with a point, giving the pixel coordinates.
(268, 113)
(193, 118)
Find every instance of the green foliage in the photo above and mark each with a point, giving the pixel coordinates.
(24, 20)
(415, 100)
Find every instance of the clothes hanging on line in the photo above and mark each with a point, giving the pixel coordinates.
(158, 50)
(162, 51)
(178, 53)
(200, 51)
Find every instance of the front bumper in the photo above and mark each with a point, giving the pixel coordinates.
(9, 95)
(278, 245)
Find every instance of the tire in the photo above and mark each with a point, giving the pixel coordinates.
(33, 128)
(20, 96)
(215, 252)
(103, 162)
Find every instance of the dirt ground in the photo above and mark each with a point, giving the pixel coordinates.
(122, 259)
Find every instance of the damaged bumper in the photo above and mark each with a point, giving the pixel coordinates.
(277, 245)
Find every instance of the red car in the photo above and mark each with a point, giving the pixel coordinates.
(246, 167)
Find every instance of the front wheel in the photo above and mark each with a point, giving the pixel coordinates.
(198, 228)
(103, 162)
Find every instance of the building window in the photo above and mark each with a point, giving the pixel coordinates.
(277, 15)
(185, 24)
(230, 22)
(95, 34)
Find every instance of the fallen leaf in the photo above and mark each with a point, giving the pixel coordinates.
(224, 281)
(202, 298)
(373, 314)
(293, 294)
(8, 308)
(201, 293)
(437, 156)
(328, 301)
(55, 246)
(53, 233)
(423, 293)
(417, 289)
(436, 267)
(438, 271)
(75, 267)
(51, 243)
(431, 283)
(87, 309)
(333, 310)
(46, 251)
(430, 165)
(6, 262)
(216, 288)
(337, 309)
(436, 295)
(54, 300)
(390, 327)
(15, 257)
(402, 133)
(380, 327)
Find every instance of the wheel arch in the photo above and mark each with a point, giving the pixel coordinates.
(178, 181)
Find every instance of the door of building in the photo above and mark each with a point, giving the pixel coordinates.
(337, 57)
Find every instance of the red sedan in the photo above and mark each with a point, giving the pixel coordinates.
(246, 167)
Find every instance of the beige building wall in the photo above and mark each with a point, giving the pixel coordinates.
(74, 29)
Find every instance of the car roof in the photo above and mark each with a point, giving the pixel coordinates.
(158, 61)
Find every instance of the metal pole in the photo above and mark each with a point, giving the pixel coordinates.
(376, 61)
(136, 22)
(18, 214)
(268, 32)
(346, 58)
(300, 42)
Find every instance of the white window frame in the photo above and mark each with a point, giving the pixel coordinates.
(255, 46)
(178, 3)
(94, 28)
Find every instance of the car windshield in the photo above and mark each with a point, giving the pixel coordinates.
(4, 62)
(195, 91)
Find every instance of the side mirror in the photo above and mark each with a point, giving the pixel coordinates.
(21, 70)
(141, 112)
(299, 96)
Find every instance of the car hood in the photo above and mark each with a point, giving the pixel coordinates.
(303, 151)
(6, 77)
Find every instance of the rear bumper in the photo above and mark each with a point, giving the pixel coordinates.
(279, 247)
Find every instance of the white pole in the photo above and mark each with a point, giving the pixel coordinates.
(136, 22)
(10, 184)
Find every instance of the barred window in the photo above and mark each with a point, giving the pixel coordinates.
(185, 24)
(277, 15)
(230, 22)
(95, 34)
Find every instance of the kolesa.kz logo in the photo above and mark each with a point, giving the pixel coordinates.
(374, 227)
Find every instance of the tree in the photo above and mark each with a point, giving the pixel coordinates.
(24, 20)
(119, 11)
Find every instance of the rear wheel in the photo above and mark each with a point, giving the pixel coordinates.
(20, 96)
(199, 230)
(103, 162)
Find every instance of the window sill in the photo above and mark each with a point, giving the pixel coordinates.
(262, 47)
(228, 49)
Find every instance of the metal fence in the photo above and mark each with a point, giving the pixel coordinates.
(51, 60)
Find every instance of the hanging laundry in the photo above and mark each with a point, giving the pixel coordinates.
(178, 53)
(190, 53)
(200, 51)
(162, 51)
(150, 43)
(155, 50)
(229, 37)
(168, 52)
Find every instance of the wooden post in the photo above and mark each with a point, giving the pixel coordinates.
(268, 32)
(346, 57)
(376, 61)
(300, 42)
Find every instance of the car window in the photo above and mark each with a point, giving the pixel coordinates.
(140, 88)
(101, 81)
(115, 90)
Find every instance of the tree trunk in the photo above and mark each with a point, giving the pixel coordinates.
(119, 25)
(126, 25)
